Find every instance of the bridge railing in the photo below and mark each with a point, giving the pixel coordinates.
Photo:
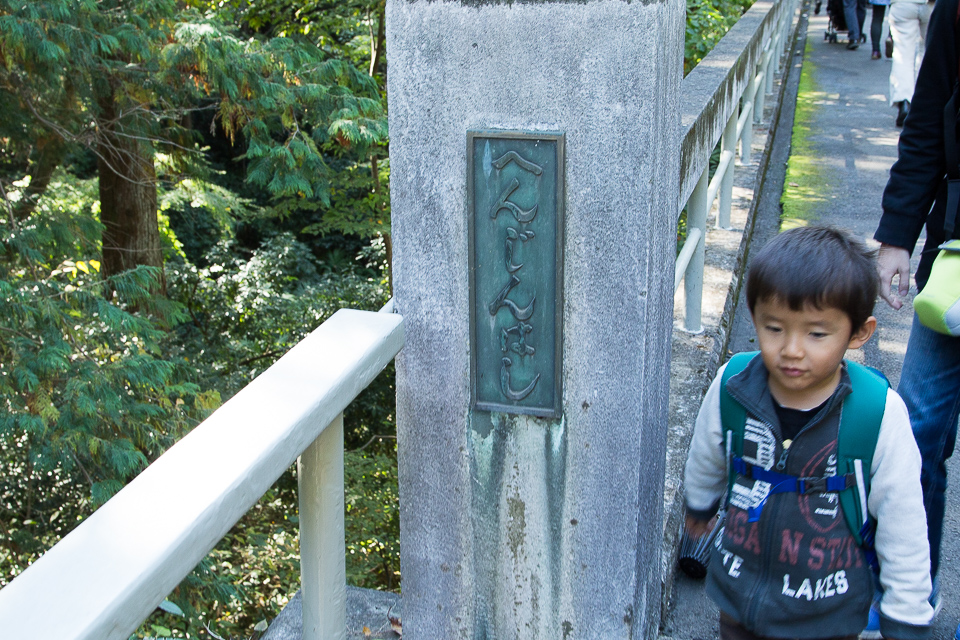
(103, 579)
(721, 99)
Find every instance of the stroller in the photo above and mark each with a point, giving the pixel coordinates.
(836, 22)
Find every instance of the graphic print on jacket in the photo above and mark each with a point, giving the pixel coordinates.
(797, 572)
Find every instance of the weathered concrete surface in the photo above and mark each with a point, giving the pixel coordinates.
(367, 610)
(519, 527)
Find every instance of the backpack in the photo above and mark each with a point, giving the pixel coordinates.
(860, 419)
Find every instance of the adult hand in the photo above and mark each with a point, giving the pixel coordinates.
(893, 261)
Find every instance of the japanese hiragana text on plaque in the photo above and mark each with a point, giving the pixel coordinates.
(515, 206)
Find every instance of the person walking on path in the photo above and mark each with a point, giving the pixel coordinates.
(811, 292)
(878, 10)
(916, 196)
(854, 13)
(908, 26)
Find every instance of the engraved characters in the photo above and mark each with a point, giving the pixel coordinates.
(515, 332)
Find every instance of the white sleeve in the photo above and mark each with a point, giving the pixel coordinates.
(705, 474)
(896, 503)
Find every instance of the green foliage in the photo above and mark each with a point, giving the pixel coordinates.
(354, 200)
(373, 516)
(707, 22)
(60, 57)
(283, 97)
(99, 378)
(246, 313)
(342, 28)
(142, 68)
(357, 207)
(88, 400)
(806, 192)
(251, 574)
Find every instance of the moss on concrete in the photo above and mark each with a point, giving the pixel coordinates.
(804, 193)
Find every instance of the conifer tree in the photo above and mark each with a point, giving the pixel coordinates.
(121, 77)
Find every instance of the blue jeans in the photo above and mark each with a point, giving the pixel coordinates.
(930, 387)
(854, 12)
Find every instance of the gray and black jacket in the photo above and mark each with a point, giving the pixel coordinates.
(916, 194)
(797, 572)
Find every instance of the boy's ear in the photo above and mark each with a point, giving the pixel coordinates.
(861, 335)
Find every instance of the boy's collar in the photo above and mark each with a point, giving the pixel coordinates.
(750, 389)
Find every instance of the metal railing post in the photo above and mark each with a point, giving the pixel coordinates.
(323, 575)
(745, 128)
(751, 92)
(760, 96)
(773, 62)
(728, 144)
(697, 209)
(785, 21)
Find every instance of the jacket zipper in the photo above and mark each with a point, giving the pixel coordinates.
(768, 535)
(768, 518)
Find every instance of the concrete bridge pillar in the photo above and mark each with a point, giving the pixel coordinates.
(534, 179)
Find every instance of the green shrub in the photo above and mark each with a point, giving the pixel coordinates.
(707, 22)
(88, 398)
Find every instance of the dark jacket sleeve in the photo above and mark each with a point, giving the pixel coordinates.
(916, 177)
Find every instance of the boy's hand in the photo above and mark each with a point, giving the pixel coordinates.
(893, 261)
(697, 528)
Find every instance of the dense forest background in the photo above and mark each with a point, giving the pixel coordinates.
(187, 189)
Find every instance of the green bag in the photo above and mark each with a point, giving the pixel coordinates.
(938, 305)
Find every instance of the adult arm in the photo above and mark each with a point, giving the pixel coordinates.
(918, 172)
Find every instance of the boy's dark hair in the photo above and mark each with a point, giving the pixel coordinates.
(819, 265)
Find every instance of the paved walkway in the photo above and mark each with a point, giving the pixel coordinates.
(853, 135)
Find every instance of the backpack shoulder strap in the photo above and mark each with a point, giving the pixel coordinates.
(733, 417)
(860, 420)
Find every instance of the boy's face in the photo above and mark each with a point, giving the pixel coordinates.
(802, 350)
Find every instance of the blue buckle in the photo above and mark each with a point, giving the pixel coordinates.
(783, 483)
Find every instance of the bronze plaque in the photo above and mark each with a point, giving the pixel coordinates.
(515, 201)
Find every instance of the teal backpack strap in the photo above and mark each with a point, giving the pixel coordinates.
(860, 421)
(733, 417)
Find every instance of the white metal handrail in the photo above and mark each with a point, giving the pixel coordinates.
(103, 579)
(719, 96)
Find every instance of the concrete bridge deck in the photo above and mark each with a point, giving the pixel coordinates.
(849, 142)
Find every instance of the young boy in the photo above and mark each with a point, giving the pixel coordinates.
(787, 564)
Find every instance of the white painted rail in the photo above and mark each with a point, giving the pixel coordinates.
(718, 98)
(104, 578)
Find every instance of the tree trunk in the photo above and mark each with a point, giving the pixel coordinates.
(387, 240)
(377, 44)
(50, 152)
(378, 40)
(128, 196)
